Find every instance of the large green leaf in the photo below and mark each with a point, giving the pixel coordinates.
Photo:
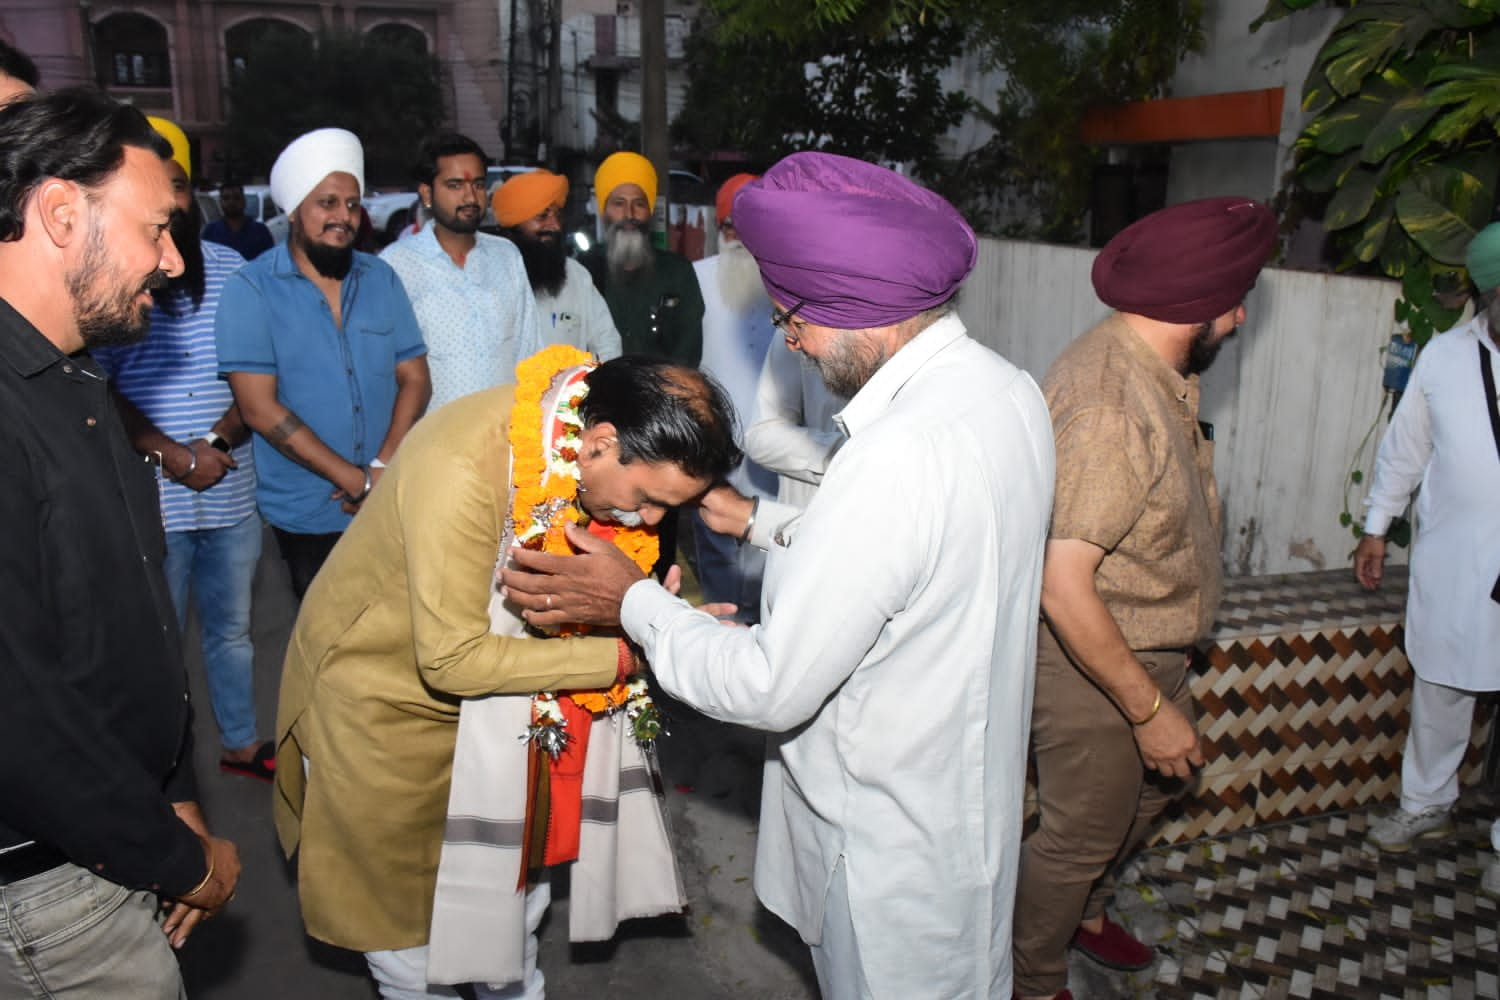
(1355, 51)
(1322, 174)
(1403, 119)
(1469, 93)
(1373, 234)
(1399, 254)
(1441, 207)
(1461, 15)
(1351, 203)
(1347, 124)
(1317, 92)
(1277, 9)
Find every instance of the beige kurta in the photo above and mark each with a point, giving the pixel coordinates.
(394, 631)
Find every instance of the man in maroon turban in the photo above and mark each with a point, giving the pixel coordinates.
(1132, 577)
(892, 662)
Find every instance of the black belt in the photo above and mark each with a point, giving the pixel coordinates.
(31, 859)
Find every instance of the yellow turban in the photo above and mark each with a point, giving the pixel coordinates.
(174, 135)
(525, 196)
(625, 168)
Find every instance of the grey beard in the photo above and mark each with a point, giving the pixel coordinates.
(628, 251)
(848, 363)
(739, 279)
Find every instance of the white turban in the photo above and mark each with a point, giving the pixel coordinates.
(310, 158)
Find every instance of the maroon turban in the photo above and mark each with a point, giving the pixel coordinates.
(855, 245)
(1190, 263)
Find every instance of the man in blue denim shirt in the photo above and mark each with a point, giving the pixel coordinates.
(322, 350)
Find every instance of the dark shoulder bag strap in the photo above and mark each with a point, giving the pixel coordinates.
(1487, 370)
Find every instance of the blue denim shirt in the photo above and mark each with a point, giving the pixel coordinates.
(341, 381)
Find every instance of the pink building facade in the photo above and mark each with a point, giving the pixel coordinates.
(175, 58)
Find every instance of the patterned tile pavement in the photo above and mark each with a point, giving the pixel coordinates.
(1306, 909)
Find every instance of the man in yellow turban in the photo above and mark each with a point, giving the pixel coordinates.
(652, 293)
(569, 308)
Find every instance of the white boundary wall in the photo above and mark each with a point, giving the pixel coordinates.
(1289, 398)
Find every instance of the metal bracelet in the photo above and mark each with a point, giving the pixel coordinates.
(749, 524)
(192, 465)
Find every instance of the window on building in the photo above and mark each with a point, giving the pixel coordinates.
(403, 35)
(242, 39)
(130, 50)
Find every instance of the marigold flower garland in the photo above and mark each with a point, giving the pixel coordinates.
(544, 501)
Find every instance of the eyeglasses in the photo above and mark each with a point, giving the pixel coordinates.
(781, 319)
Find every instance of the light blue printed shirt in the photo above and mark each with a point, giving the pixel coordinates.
(478, 320)
(173, 378)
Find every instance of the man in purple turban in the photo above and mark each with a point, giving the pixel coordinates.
(1132, 576)
(891, 666)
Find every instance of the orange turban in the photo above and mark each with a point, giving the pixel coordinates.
(170, 131)
(724, 201)
(625, 168)
(525, 196)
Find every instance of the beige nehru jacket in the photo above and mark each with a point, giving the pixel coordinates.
(1135, 477)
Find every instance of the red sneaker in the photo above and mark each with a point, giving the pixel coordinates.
(1114, 947)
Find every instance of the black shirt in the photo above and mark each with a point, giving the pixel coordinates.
(658, 311)
(93, 692)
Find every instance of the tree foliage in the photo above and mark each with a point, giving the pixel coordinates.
(878, 99)
(1061, 58)
(1058, 58)
(1400, 159)
(382, 91)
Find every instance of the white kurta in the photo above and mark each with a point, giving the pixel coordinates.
(1440, 439)
(792, 431)
(894, 663)
(578, 315)
(734, 349)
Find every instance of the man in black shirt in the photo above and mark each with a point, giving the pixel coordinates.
(99, 829)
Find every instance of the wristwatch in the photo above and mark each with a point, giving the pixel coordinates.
(216, 441)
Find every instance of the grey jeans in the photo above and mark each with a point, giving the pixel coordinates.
(67, 934)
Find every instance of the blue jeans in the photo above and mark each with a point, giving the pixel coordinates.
(69, 933)
(219, 563)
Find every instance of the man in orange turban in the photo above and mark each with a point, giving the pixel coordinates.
(569, 308)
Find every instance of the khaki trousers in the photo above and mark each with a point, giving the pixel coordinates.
(1096, 803)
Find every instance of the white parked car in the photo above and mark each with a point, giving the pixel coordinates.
(389, 213)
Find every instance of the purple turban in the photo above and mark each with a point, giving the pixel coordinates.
(1190, 263)
(856, 245)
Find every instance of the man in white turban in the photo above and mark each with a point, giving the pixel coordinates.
(322, 350)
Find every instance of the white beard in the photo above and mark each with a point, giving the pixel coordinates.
(628, 251)
(739, 278)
